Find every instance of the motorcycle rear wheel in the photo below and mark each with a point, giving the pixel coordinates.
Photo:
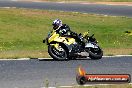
(95, 54)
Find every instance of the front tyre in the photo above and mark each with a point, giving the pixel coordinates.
(95, 53)
(57, 54)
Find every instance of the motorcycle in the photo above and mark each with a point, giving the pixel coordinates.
(65, 47)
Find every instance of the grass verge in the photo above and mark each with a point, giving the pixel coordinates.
(22, 31)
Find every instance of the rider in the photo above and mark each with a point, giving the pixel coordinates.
(64, 29)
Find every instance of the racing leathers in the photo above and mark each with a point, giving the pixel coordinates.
(64, 30)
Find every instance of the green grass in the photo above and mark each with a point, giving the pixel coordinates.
(24, 29)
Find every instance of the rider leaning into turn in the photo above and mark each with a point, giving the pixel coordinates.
(64, 30)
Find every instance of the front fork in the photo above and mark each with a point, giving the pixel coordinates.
(57, 46)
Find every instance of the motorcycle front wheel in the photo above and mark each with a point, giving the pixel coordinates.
(56, 54)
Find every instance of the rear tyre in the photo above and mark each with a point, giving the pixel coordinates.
(95, 53)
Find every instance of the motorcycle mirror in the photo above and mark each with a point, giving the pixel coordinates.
(80, 34)
(92, 35)
(44, 41)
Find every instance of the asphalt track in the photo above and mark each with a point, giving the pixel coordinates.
(113, 10)
(34, 73)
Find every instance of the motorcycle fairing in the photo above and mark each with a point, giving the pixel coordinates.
(57, 38)
(90, 45)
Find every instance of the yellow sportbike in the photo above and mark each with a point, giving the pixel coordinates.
(66, 47)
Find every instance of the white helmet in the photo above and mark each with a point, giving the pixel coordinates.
(57, 23)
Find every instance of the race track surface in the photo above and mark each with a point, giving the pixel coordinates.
(116, 10)
(34, 73)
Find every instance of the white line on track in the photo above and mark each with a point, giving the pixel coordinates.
(89, 85)
(119, 56)
(51, 58)
(48, 87)
(66, 86)
(15, 59)
(7, 7)
(14, 0)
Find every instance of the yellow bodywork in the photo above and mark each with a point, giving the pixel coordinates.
(57, 38)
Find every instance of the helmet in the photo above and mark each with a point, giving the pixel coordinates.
(56, 23)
